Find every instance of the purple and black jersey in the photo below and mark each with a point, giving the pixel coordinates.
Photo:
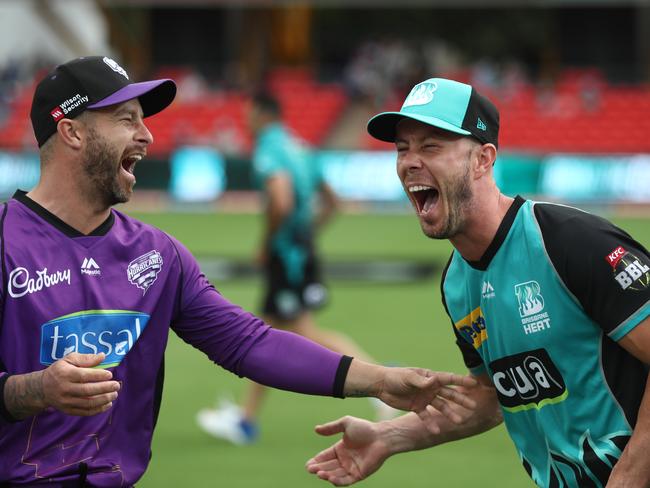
(118, 291)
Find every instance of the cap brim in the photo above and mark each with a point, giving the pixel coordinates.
(154, 95)
(383, 126)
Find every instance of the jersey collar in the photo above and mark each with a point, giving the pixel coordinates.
(55, 221)
(499, 237)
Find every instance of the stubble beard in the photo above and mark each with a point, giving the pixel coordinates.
(101, 167)
(459, 201)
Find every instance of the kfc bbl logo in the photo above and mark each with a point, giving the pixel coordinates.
(629, 271)
(143, 271)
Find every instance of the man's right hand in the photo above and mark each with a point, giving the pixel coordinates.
(356, 456)
(71, 385)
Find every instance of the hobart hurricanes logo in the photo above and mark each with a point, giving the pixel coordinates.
(115, 67)
(472, 327)
(113, 332)
(629, 271)
(527, 380)
(143, 270)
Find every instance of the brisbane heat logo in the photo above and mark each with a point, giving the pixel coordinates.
(629, 271)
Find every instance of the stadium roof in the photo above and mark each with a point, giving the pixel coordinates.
(379, 3)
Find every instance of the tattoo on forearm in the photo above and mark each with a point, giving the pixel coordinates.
(356, 393)
(24, 394)
(373, 389)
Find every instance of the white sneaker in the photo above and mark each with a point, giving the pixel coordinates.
(384, 411)
(227, 422)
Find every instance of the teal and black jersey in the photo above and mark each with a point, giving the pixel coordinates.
(292, 269)
(279, 152)
(542, 313)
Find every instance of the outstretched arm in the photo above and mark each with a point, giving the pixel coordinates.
(410, 389)
(365, 446)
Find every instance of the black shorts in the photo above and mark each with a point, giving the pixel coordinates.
(293, 285)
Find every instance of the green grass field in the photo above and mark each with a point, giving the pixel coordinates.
(402, 323)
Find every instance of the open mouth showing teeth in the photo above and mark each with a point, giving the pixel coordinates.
(129, 162)
(424, 197)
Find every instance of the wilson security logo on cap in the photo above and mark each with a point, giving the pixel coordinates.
(421, 94)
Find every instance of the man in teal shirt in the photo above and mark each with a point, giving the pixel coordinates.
(550, 307)
(298, 203)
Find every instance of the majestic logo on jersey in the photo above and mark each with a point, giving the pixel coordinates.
(143, 271)
(115, 67)
(472, 328)
(527, 380)
(90, 267)
(21, 283)
(421, 94)
(113, 332)
(487, 291)
(629, 271)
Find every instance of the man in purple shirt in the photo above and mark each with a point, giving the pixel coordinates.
(89, 294)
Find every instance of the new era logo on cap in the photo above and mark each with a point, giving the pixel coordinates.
(446, 104)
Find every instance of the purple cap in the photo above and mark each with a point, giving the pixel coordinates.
(92, 82)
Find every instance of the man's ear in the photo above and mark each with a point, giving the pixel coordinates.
(485, 159)
(71, 132)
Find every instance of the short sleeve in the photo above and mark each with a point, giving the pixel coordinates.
(601, 265)
(267, 160)
(472, 359)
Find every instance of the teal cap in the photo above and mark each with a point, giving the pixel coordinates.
(446, 104)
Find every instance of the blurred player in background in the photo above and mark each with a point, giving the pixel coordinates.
(550, 308)
(89, 295)
(299, 202)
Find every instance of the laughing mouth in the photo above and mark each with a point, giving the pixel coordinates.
(129, 162)
(424, 197)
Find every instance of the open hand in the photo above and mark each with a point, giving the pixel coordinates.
(356, 456)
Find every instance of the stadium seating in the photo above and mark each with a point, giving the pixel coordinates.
(579, 113)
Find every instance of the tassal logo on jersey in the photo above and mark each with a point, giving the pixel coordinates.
(527, 380)
(629, 271)
(113, 332)
(90, 267)
(472, 327)
(21, 282)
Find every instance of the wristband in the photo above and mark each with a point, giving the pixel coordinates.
(341, 375)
